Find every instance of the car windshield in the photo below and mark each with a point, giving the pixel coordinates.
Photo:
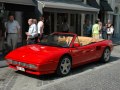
(57, 40)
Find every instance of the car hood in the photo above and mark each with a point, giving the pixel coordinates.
(36, 53)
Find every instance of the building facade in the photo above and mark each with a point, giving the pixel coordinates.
(54, 11)
(116, 17)
(113, 15)
(76, 12)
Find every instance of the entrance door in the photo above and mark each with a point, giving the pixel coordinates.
(61, 17)
(78, 24)
(73, 23)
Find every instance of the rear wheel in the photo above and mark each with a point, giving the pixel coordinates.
(64, 66)
(106, 56)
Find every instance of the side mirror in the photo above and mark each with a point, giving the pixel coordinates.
(76, 45)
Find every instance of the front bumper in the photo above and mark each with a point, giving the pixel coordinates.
(40, 70)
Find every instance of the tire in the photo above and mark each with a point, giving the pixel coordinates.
(64, 66)
(106, 55)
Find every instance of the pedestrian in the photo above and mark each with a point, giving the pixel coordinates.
(13, 30)
(100, 27)
(65, 26)
(40, 27)
(110, 30)
(87, 28)
(95, 30)
(104, 31)
(32, 31)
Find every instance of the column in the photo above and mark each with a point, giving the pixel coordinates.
(18, 17)
(94, 18)
(55, 22)
(69, 19)
(118, 27)
(82, 22)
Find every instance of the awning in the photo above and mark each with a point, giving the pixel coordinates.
(19, 5)
(21, 2)
(93, 3)
(59, 6)
(105, 6)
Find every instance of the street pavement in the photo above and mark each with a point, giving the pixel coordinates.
(94, 76)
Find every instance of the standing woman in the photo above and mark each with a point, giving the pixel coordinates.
(110, 30)
(95, 30)
(101, 26)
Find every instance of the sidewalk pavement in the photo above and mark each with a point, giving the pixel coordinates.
(2, 61)
(116, 41)
(3, 64)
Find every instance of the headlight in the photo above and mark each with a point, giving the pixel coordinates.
(9, 61)
(32, 66)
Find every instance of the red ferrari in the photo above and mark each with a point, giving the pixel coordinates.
(58, 53)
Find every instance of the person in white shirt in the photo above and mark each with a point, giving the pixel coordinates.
(31, 32)
(13, 30)
(40, 27)
(110, 30)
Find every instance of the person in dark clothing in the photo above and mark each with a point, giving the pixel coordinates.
(104, 31)
(65, 26)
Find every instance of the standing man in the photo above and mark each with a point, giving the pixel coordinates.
(40, 28)
(32, 32)
(95, 30)
(13, 30)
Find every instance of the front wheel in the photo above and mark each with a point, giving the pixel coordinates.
(106, 56)
(64, 66)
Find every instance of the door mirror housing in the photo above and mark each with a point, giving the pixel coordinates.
(76, 45)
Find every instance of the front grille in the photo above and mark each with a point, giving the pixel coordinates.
(14, 62)
(21, 64)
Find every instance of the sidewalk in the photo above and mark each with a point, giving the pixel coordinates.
(116, 41)
(3, 64)
(2, 61)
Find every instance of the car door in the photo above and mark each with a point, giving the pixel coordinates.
(88, 52)
(81, 53)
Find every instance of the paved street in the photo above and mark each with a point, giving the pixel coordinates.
(93, 76)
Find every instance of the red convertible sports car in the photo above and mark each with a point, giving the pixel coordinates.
(58, 53)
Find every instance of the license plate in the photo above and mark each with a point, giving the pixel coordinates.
(20, 68)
